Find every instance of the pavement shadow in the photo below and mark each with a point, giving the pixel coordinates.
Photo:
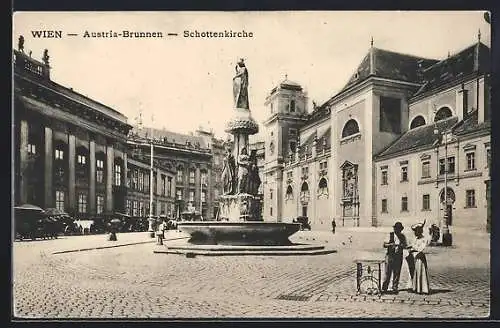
(439, 291)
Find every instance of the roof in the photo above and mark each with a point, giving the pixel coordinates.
(390, 65)
(172, 137)
(325, 136)
(418, 137)
(461, 64)
(471, 124)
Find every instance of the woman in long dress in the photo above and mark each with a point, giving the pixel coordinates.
(421, 274)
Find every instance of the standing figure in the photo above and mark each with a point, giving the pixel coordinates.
(253, 174)
(394, 257)
(240, 86)
(420, 275)
(228, 173)
(20, 44)
(334, 225)
(243, 166)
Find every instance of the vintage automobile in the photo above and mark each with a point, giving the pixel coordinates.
(304, 222)
(31, 222)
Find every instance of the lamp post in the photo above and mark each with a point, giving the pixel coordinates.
(446, 235)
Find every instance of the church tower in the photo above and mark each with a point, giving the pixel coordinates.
(287, 108)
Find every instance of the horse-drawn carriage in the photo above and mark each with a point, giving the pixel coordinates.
(32, 222)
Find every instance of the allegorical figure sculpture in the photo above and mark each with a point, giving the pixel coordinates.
(20, 44)
(240, 86)
(243, 166)
(46, 57)
(253, 174)
(228, 173)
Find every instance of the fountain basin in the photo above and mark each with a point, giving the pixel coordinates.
(239, 233)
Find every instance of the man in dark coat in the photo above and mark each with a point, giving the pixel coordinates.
(394, 257)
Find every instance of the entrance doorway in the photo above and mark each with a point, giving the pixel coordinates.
(304, 210)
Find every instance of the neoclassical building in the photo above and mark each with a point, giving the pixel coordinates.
(81, 156)
(328, 163)
(69, 150)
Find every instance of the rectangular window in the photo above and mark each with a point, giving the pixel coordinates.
(292, 106)
(31, 149)
(180, 176)
(60, 200)
(270, 194)
(323, 165)
(451, 165)
(384, 205)
(163, 185)
(471, 161)
(100, 204)
(203, 197)
(390, 114)
(293, 146)
(141, 209)
(305, 171)
(169, 187)
(191, 176)
(426, 202)
(426, 169)
(289, 175)
(216, 194)
(191, 195)
(178, 193)
(135, 208)
(59, 154)
(118, 175)
(147, 180)
(141, 181)
(384, 178)
(82, 203)
(81, 159)
(404, 204)
(470, 198)
(404, 173)
(128, 208)
(204, 180)
(155, 183)
(442, 166)
(99, 174)
(270, 211)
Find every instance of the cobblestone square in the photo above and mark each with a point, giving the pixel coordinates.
(132, 282)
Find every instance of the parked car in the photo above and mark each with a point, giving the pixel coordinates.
(304, 222)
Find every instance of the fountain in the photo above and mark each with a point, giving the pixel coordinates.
(239, 228)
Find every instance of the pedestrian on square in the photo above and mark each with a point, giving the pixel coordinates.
(394, 257)
(334, 225)
(421, 275)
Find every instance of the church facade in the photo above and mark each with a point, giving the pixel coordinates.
(327, 164)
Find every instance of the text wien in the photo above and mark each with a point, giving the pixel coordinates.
(47, 34)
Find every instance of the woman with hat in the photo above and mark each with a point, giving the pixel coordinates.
(420, 275)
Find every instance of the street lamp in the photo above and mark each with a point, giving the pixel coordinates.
(446, 238)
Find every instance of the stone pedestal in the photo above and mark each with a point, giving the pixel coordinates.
(241, 207)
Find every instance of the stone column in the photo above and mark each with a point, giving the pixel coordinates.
(110, 162)
(23, 161)
(48, 169)
(92, 174)
(71, 171)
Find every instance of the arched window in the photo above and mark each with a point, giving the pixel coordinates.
(443, 113)
(350, 128)
(292, 106)
(289, 193)
(323, 187)
(304, 192)
(417, 121)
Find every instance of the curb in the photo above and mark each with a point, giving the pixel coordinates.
(112, 246)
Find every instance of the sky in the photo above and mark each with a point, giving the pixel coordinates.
(183, 83)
